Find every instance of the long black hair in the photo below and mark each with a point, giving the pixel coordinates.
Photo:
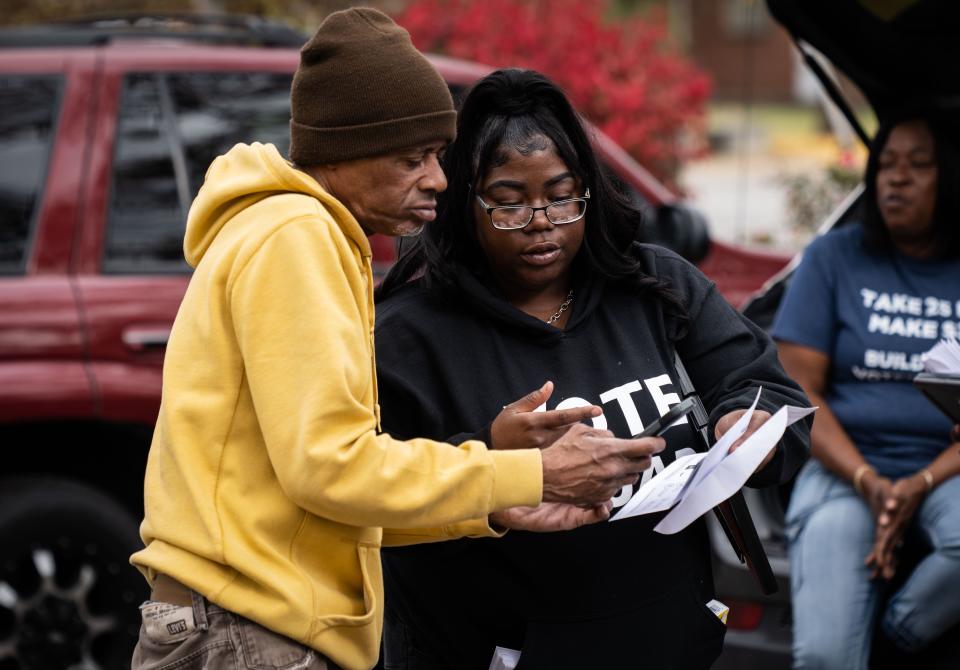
(510, 107)
(946, 210)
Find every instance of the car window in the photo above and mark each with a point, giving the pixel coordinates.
(28, 112)
(146, 218)
(170, 128)
(215, 110)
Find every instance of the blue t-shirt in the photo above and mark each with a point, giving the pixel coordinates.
(874, 315)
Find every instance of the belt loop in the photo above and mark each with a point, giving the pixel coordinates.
(199, 610)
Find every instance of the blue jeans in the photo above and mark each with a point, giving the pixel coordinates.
(830, 530)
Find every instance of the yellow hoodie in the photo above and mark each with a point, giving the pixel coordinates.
(268, 482)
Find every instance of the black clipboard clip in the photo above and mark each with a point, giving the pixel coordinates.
(733, 514)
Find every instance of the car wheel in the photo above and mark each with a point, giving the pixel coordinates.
(68, 595)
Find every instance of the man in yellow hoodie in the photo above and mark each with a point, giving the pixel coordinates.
(269, 484)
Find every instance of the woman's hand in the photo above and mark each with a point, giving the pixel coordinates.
(548, 517)
(875, 490)
(518, 426)
(883, 558)
(759, 418)
(900, 505)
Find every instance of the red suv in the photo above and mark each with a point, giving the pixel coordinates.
(106, 130)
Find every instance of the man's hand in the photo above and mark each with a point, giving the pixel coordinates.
(519, 427)
(758, 419)
(899, 507)
(587, 466)
(548, 517)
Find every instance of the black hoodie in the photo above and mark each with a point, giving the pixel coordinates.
(613, 594)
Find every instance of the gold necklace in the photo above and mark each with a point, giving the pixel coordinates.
(562, 308)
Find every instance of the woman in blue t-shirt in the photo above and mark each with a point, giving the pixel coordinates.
(865, 303)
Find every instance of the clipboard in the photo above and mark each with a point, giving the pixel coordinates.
(733, 514)
(942, 390)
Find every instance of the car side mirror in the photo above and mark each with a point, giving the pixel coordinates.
(683, 230)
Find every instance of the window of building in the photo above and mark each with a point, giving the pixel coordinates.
(745, 18)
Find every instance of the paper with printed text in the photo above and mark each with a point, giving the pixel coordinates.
(695, 483)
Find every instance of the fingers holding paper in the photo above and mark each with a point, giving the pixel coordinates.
(757, 419)
(720, 473)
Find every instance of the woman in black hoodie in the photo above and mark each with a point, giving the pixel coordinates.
(532, 271)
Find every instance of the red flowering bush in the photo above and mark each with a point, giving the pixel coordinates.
(623, 76)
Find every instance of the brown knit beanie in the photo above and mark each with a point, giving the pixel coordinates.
(362, 89)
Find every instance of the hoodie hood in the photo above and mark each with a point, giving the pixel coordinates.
(244, 176)
(480, 290)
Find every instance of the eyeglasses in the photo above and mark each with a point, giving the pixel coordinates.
(515, 217)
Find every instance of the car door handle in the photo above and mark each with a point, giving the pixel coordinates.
(146, 339)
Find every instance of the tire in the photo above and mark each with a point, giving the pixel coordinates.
(68, 595)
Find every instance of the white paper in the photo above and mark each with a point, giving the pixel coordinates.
(732, 472)
(718, 452)
(943, 358)
(663, 491)
(504, 658)
(695, 483)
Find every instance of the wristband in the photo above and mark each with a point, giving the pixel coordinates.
(927, 478)
(863, 469)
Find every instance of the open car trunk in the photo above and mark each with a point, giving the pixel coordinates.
(898, 52)
(901, 54)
